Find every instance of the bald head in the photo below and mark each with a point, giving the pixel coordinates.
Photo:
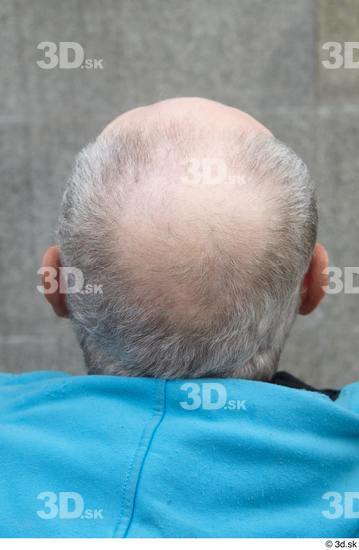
(199, 224)
(191, 199)
(202, 112)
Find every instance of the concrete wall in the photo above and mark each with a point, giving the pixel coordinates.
(261, 56)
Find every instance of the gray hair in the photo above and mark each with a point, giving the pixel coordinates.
(247, 302)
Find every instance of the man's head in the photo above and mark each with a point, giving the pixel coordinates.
(201, 228)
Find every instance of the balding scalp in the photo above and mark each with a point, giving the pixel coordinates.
(200, 241)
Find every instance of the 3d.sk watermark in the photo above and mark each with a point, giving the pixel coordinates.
(209, 396)
(66, 280)
(341, 505)
(66, 505)
(341, 55)
(340, 280)
(65, 55)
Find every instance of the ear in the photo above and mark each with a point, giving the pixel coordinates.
(51, 281)
(315, 281)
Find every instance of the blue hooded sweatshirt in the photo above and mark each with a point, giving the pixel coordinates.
(105, 456)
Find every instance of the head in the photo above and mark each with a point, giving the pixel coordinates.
(200, 227)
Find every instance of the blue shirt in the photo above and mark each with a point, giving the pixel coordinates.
(105, 456)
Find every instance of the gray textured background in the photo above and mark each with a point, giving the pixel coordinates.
(263, 57)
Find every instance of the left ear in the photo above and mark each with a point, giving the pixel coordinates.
(51, 281)
(315, 281)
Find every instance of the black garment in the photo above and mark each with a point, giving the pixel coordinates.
(283, 378)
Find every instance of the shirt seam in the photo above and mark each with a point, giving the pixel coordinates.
(130, 489)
